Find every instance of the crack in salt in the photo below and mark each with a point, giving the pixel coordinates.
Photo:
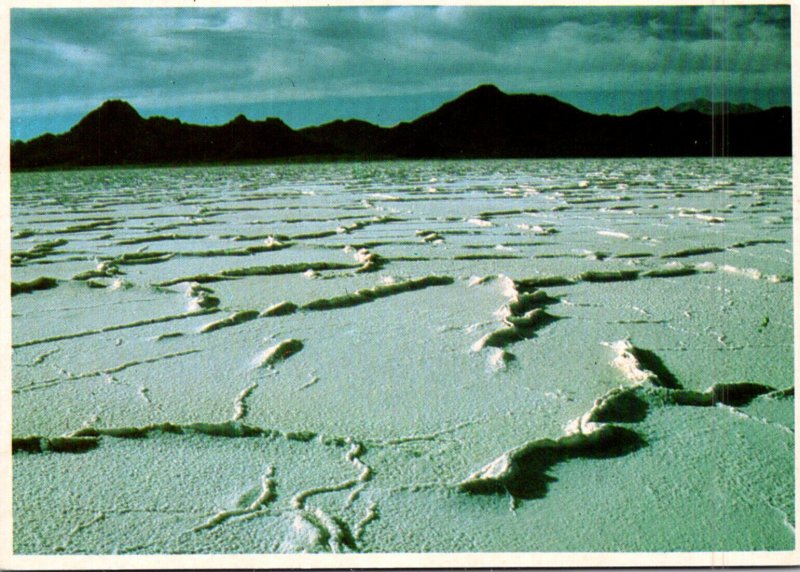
(239, 405)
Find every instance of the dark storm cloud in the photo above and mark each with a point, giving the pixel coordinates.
(71, 59)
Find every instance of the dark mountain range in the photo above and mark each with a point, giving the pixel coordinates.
(707, 107)
(484, 122)
(115, 134)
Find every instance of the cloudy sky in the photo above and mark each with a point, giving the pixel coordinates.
(385, 64)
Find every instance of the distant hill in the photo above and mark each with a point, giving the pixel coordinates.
(703, 105)
(351, 136)
(482, 123)
(115, 134)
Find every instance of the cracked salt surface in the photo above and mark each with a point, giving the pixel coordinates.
(342, 358)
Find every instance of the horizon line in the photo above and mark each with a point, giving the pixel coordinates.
(714, 103)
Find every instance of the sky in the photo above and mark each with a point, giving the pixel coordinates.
(386, 64)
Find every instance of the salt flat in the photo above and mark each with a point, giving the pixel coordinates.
(454, 356)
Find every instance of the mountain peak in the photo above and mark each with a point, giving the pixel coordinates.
(113, 111)
(485, 92)
(116, 104)
(240, 120)
(118, 108)
(486, 89)
(476, 100)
